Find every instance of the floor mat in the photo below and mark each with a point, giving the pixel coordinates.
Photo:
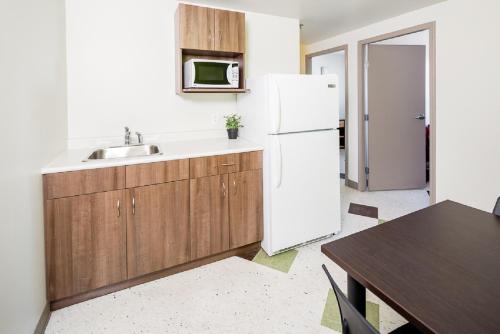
(331, 314)
(282, 262)
(363, 210)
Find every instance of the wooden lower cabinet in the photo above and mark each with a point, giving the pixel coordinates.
(157, 227)
(104, 240)
(245, 208)
(85, 243)
(209, 215)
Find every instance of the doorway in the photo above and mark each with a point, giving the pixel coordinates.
(334, 61)
(397, 110)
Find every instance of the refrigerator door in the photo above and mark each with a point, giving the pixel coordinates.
(303, 103)
(304, 186)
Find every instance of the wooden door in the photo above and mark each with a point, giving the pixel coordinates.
(209, 216)
(229, 31)
(396, 125)
(157, 227)
(196, 27)
(245, 208)
(85, 240)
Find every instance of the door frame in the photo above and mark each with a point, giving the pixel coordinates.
(431, 27)
(308, 60)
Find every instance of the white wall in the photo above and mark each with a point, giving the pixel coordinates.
(121, 70)
(33, 130)
(333, 63)
(468, 110)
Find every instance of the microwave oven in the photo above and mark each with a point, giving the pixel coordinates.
(211, 73)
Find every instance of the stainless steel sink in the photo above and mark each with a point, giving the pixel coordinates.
(127, 151)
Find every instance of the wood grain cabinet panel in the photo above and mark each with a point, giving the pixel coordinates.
(245, 208)
(250, 161)
(196, 27)
(83, 182)
(85, 243)
(229, 31)
(228, 163)
(201, 167)
(155, 173)
(157, 227)
(209, 215)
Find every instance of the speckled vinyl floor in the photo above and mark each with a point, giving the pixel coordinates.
(236, 295)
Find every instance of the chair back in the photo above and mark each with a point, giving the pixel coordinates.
(352, 321)
(496, 209)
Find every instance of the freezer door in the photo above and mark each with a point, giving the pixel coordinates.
(303, 102)
(304, 187)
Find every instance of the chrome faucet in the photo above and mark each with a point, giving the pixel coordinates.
(127, 136)
(140, 139)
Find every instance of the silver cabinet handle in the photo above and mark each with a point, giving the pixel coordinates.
(133, 205)
(235, 187)
(421, 117)
(225, 165)
(223, 189)
(118, 207)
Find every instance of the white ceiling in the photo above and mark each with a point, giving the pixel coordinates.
(325, 18)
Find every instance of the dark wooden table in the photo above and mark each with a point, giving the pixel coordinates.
(438, 267)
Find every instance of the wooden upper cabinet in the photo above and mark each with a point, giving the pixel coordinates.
(196, 27)
(157, 227)
(229, 31)
(245, 208)
(85, 243)
(209, 29)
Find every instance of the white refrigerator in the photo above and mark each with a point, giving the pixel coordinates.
(295, 118)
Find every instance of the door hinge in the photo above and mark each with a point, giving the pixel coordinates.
(367, 170)
(367, 117)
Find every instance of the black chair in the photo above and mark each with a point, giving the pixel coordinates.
(352, 321)
(496, 209)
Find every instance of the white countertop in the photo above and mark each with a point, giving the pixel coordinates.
(72, 160)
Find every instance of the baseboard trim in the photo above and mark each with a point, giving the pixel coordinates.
(242, 251)
(351, 184)
(44, 320)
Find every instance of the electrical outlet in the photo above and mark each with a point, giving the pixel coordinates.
(215, 119)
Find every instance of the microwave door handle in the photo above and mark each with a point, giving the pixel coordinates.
(229, 73)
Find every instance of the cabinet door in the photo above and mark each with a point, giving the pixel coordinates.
(209, 216)
(85, 240)
(229, 31)
(245, 208)
(157, 227)
(196, 27)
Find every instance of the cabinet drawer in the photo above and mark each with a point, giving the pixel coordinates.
(214, 165)
(83, 182)
(225, 164)
(205, 166)
(228, 163)
(157, 172)
(250, 161)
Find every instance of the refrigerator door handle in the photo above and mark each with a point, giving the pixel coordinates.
(279, 164)
(276, 107)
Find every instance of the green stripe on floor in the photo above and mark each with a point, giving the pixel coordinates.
(331, 314)
(282, 262)
(381, 221)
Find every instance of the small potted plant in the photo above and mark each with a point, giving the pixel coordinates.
(233, 123)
